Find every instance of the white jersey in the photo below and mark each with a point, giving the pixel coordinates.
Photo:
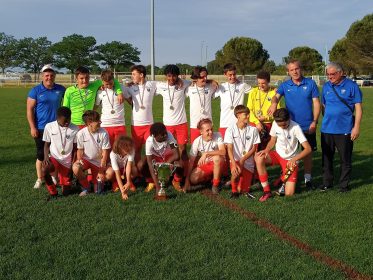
(112, 113)
(142, 102)
(93, 144)
(243, 140)
(118, 162)
(199, 145)
(200, 103)
(287, 139)
(159, 149)
(62, 140)
(230, 95)
(173, 102)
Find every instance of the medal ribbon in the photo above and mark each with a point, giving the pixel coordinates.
(169, 94)
(63, 142)
(84, 101)
(230, 93)
(200, 99)
(107, 96)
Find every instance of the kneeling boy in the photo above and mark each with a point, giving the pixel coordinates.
(285, 134)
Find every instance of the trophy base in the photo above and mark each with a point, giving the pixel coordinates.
(160, 197)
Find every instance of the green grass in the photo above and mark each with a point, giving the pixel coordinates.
(189, 236)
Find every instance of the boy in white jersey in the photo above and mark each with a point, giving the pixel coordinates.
(231, 94)
(174, 116)
(141, 94)
(122, 167)
(160, 146)
(112, 113)
(200, 95)
(93, 151)
(242, 140)
(60, 143)
(207, 158)
(285, 134)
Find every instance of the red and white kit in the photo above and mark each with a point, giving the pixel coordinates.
(230, 95)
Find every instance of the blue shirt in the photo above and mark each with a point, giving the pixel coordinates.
(298, 100)
(338, 119)
(47, 103)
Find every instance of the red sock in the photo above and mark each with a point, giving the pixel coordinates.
(177, 178)
(52, 190)
(215, 182)
(263, 178)
(234, 186)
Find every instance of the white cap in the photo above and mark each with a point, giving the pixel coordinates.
(47, 67)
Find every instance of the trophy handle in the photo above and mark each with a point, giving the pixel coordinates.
(173, 168)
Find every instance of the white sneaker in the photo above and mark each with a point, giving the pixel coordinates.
(54, 180)
(38, 184)
(83, 193)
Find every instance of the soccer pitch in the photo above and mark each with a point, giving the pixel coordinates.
(312, 235)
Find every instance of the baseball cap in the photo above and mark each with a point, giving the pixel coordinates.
(47, 67)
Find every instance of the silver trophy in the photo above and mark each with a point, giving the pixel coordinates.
(164, 171)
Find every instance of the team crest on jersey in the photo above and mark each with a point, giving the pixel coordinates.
(206, 91)
(98, 140)
(288, 137)
(269, 98)
(305, 87)
(343, 91)
(248, 137)
(148, 89)
(67, 136)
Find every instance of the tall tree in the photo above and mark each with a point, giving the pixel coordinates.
(33, 54)
(270, 66)
(116, 54)
(309, 58)
(339, 54)
(7, 51)
(246, 53)
(359, 44)
(214, 68)
(74, 51)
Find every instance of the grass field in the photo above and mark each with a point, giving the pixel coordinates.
(187, 237)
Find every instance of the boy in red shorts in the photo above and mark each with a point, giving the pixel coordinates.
(242, 141)
(93, 151)
(60, 142)
(160, 146)
(207, 158)
(112, 113)
(285, 134)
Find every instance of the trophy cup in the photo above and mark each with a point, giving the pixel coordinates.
(163, 170)
(288, 172)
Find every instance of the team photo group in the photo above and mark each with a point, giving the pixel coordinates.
(277, 126)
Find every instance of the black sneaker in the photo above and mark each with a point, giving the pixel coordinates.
(235, 195)
(281, 190)
(249, 195)
(309, 186)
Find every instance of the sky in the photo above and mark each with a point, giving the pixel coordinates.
(190, 31)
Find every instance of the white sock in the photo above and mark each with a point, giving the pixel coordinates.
(307, 177)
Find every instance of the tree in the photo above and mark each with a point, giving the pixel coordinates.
(245, 53)
(270, 66)
(339, 54)
(74, 51)
(309, 58)
(359, 44)
(116, 54)
(7, 51)
(214, 68)
(33, 54)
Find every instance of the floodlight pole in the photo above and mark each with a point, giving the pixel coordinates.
(152, 59)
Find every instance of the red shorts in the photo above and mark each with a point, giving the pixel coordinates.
(63, 172)
(114, 132)
(194, 133)
(208, 168)
(245, 179)
(94, 169)
(222, 131)
(278, 160)
(140, 134)
(180, 132)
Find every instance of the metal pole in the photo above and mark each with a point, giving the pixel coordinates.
(152, 59)
(206, 55)
(202, 52)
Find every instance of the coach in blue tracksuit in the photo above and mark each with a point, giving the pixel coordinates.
(341, 97)
(42, 103)
(302, 101)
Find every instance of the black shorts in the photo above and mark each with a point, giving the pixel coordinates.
(311, 138)
(39, 145)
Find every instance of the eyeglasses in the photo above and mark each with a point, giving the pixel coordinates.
(332, 74)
